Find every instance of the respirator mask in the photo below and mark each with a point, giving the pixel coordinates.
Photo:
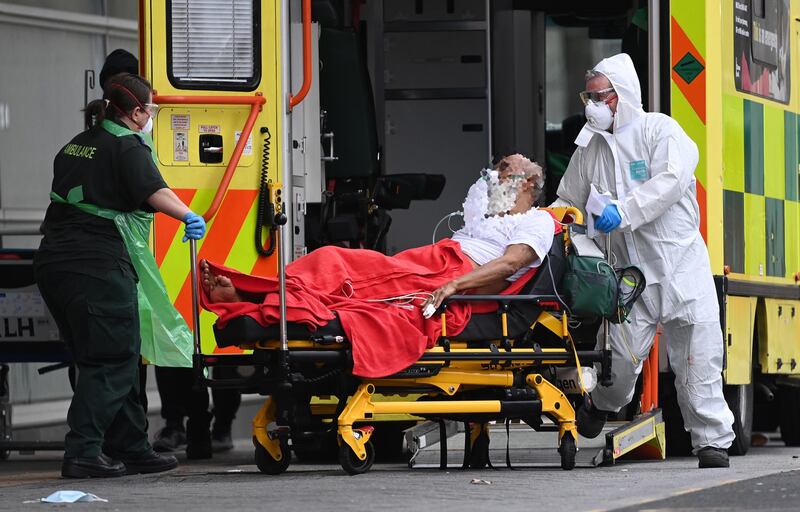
(599, 115)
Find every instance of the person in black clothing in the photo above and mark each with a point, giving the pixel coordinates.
(87, 278)
(122, 61)
(118, 61)
(179, 398)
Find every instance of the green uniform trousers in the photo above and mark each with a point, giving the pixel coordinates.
(98, 317)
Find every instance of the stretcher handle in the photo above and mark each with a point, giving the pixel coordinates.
(195, 299)
(295, 100)
(256, 103)
(500, 298)
(605, 377)
(280, 221)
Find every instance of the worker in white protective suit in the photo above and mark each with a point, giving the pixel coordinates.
(646, 162)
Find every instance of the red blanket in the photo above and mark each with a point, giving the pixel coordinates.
(385, 338)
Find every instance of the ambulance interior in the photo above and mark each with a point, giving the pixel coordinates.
(416, 97)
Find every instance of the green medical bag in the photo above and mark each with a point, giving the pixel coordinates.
(590, 287)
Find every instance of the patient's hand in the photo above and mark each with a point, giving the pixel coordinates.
(440, 294)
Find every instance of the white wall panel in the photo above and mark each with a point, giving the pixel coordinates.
(435, 137)
(41, 89)
(44, 95)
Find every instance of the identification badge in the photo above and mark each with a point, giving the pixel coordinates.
(639, 170)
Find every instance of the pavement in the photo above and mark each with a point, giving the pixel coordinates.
(768, 478)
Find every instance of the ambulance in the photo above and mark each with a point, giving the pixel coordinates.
(364, 122)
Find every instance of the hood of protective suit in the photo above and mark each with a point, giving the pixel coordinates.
(620, 72)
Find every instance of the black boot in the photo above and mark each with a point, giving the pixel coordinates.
(171, 438)
(221, 440)
(710, 457)
(198, 436)
(101, 466)
(149, 462)
(590, 420)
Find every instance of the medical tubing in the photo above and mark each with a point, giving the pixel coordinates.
(555, 286)
(445, 218)
(265, 211)
(634, 359)
(405, 298)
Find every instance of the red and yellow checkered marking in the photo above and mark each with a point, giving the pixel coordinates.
(228, 241)
(695, 94)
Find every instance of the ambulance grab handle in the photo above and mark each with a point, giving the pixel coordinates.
(295, 99)
(212, 149)
(256, 102)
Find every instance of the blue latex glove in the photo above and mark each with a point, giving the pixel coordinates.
(195, 226)
(609, 220)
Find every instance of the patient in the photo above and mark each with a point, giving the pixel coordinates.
(379, 297)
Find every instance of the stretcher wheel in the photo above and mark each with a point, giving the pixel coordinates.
(351, 463)
(568, 449)
(269, 466)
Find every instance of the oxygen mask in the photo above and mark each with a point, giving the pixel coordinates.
(502, 192)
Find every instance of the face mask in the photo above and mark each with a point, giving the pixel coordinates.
(599, 115)
(148, 126)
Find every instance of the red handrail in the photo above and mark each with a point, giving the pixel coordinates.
(296, 99)
(256, 102)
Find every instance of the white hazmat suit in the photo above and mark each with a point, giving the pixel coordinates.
(647, 164)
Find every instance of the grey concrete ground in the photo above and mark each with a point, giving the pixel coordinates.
(232, 482)
(779, 492)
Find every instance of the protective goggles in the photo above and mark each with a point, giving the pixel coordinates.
(151, 108)
(596, 96)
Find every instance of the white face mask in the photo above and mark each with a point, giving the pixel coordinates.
(599, 115)
(148, 126)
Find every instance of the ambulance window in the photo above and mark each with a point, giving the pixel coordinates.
(213, 44)
(762, 48)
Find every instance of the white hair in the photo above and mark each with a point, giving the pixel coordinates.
(591, 74)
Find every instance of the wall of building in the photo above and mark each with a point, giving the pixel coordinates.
(48, 45)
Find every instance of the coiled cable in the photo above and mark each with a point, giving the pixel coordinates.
(265, 212)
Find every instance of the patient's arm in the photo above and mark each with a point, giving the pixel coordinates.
(488, 278)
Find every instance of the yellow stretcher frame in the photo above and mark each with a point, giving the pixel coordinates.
(458, 376)
(454, 376)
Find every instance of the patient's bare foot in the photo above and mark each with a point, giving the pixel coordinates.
(218, 288)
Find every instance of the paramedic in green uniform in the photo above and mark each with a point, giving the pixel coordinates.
(88, 281)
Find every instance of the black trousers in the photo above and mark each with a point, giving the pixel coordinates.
(180, 399)
(98, 317)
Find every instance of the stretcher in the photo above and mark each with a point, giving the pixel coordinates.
(506, 377)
